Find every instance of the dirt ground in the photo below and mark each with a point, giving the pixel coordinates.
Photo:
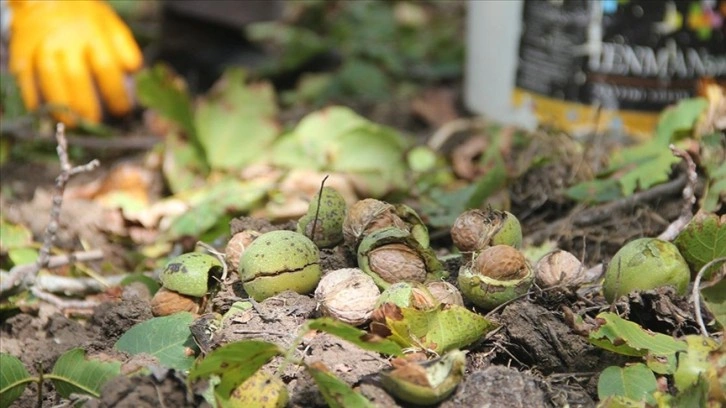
(536, 359)
(539, 357)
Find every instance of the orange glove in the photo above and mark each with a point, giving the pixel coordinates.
(69, 52)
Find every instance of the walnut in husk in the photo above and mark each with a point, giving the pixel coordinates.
(369, 215)
(392, 255)
(326, 214)
(278, 261)
(495, 276)
(475, 230)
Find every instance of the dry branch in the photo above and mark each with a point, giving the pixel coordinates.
(25, 276)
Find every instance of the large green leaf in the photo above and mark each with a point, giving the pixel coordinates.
(702, 241)
(234, 363)
(634, 382)
(336, 392)
(236, 122)
(13, 379)
(679, 118)
(625, 337)
(439, 329)
(159, 89)
(337, 139)
(210, 203)
(646, 164)
(359, 337)
(167, 338)
(184, 165)
(73, 373)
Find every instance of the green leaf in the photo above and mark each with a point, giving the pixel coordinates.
(210, 203)
(337, 139)
(233, 118)
(10, 97)
(14, 236)
(234, 363)
(714, 296)
(22, 256)
(167, 338)
(440, 329)
(336, 392)
(159, 89)
(151, 284)
(13, 379)
(635, 382)
(679, 118)
(595, 191)
(694, 362)
(73, 373)
(625, 337)
(713, 160)
(702, 241)
(360, 338)
(644, 165)
(184, 165)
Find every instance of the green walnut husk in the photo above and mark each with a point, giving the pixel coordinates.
(391, 255)
(408, 294)
(475, 230)
(189, 273)
(495, 276)
(645, 264)
(329, 224)
(414, 223)
(278, 261)
(369, 215)
(427, 382)
(261, 390)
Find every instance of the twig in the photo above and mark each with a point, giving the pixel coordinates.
(15, 276)
(76, 286)
(444, 133)
(603, 212)
(696, 293)
(28, 275)
(219, 255)
(61, 303)
(689, 197)
(317, 209)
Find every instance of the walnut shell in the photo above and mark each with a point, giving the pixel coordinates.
(475, 230)
(166, 302)
(445, 293)
(348, 295)
(237, 245)
(559, 268)
(396, 263)
(366, 216)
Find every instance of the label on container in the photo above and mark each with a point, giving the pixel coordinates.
(615, 64)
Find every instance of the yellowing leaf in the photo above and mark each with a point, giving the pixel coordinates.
(440, 329)
(234, 363)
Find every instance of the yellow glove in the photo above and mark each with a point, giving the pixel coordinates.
(68, 52)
